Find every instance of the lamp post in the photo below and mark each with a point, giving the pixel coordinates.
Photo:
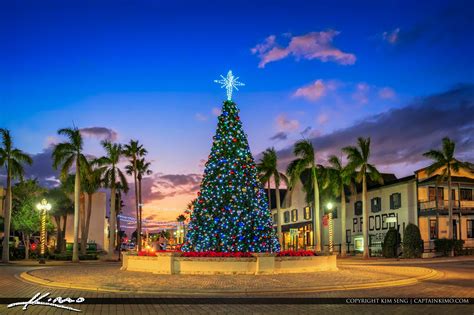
(331, 245)
(43, 206)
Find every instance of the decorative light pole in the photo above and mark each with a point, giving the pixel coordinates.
(43, 206)
(331, 245)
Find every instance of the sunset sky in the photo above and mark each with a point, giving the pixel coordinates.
(400, 72)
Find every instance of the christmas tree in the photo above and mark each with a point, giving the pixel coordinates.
(231, 211)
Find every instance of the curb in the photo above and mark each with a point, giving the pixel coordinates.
(432, 274)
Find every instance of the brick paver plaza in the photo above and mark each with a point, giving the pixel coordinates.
(441, 279)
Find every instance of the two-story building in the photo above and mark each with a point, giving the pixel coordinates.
(393, 204)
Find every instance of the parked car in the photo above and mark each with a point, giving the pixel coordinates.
(127, 246)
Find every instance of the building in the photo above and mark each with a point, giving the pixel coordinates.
(98, 228)
(394, 204)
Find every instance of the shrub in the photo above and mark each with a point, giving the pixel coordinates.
(215, 254)
(68, 256)
(412, 242)
(391, 243)
(445, 246)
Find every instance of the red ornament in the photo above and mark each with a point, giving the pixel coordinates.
(234, 140)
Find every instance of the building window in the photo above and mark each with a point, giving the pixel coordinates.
(275, 218)
(307, 213)
(395, 201)
(466, 194)
(286, 216)
(470, 229)
(358, 208)
(294, 215)
(376, 204)
(432, 193)
(433, 230)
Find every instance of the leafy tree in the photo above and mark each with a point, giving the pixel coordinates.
(111, 174)
(134, 150)
(412, 242)
(26, 218)
(13, 160)
(268, 169)
(444, 161)
(304, 150)
(337, 178)
(68, 155)
(358, 157)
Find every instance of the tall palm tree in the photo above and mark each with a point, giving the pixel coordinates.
(12, 159)
(337, 178)
(268, 168)
(265, 175)
(90, 183)
(358, 157)
(445, 162)
(304, 150)
(180, 219)
(143, 168)
(111, 174)
(133, 150)
(68, 155)
(119, 205)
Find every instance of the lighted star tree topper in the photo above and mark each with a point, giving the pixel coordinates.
(231, 211)
(229, 83)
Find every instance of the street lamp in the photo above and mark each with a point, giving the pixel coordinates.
(43, 206)
(331, 245)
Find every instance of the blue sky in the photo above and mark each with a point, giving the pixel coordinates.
(145, 70)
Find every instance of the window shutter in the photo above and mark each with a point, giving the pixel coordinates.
(391, 202)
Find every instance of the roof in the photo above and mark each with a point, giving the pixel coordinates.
(388, 179)
(454, 179)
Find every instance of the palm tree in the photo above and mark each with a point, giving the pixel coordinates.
(141, 168)
(304, 150)
(111, 174)
(268, 168)
(91, 182)
(119, 205)
(337, 178)
(358, 157)
(445, 162)
(12, 159)
(134, 151)
(69, 154)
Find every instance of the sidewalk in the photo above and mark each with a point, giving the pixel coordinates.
(402, 261)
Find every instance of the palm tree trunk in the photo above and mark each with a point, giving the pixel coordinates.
(137, 202)
(83, 224)
(278, 206)
(316, 213)
(343, 222)
(365, 218)
(450, 211)
(77, 200)
(140, 211)
(58, 232)
(63, 235)
(7, 218)
(112, 224)
(85, 234)
(269, 196)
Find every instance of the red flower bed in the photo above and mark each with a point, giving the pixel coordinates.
(296, 253)
(153, 253)
(215, 254)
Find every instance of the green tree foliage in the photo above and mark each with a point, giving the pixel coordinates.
(231, 212)
(391, 244)
(412, 242)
